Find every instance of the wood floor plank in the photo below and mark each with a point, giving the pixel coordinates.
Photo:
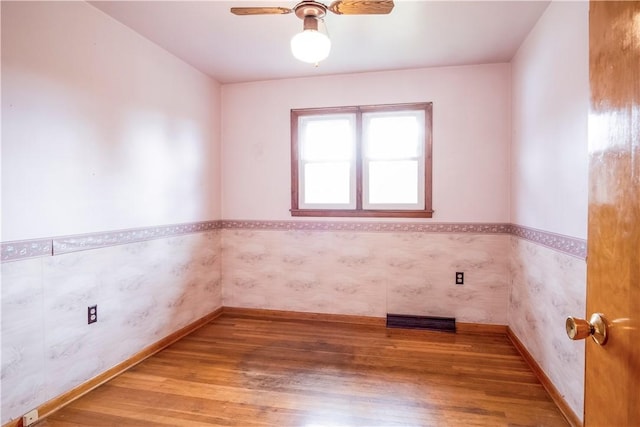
(241, 370)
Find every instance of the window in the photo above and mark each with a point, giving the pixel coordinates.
(362, 161)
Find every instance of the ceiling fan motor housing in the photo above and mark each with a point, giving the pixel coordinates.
(310, 9)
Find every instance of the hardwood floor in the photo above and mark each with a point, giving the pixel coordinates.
(248, 371)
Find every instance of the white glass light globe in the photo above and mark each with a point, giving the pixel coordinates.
(310, 46)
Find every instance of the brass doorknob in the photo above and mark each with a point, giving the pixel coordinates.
(579, 329)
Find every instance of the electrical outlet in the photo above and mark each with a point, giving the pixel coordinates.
(30, 418)
(92, 314)
(459, 278)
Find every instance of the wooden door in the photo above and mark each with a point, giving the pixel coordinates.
(612, 389)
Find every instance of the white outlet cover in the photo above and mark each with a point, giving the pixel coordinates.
(30, 417)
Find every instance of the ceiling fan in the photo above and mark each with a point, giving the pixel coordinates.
(314, 8)
(311, 45)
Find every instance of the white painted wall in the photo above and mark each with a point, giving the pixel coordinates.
(471, 135)
(549, 181)
(550, 108)
(101, 129)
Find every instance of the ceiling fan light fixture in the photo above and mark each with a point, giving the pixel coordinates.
(310, 46)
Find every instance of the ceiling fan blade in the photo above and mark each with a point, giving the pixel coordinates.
(260, 10)
(361, 7)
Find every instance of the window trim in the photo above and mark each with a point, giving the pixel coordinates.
(427, 212)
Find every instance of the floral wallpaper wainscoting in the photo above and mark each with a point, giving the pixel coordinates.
(144, 291)
(361, 270)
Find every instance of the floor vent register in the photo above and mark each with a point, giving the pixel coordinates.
(431, 323)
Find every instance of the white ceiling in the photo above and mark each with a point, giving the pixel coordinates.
(416, 34)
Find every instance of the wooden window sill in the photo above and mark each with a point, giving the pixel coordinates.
(361, 213)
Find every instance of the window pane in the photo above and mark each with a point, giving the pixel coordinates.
(327, 183)
(393, 182)
(392, 137)
(327, 139)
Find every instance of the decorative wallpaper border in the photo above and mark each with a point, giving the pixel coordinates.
(63, 245)
(12, 251)
(568, 245)
(384, 227)
(17, 250)
(20, 249)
